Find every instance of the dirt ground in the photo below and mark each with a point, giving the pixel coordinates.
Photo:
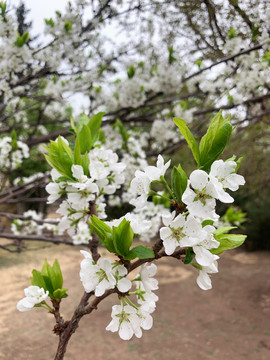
(231, 321)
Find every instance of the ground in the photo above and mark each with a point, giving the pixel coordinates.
(231, 321)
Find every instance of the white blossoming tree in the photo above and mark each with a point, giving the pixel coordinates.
(83, 173)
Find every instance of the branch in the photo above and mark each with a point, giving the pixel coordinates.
(225, 59)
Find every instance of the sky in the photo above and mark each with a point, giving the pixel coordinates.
(44, 9)
(40, 10)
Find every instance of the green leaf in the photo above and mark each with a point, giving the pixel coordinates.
(104, 232)
(85, 139)
(184, 130)
(60, 294)
(37, 280)
(189, 255)
(67, 25)
(49, 22)
(131, 72)
(73, 126)
(83, 120)
(122, 129)
(22, 39)
(60, 157)
(85, 164)
(172, 59)
(77, 153)
(141, 252)
(94, 125)
(178, 182)
(228, 241)
(222, 230)
(207, 222)
(214, 141)
(58, 274)
(123, 237)
(14, 139)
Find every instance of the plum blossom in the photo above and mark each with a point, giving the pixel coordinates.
(155, 172)
(146, 277)
(200, 195)
(128, 321)
(223, 175)
(140, 186)
(179, 231)
(103, 276)
(33, 296)
(201, 249)
(204, 280)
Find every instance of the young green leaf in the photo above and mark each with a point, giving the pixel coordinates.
(178, 182)
(123, 237)
(85, 139)
(94, 125)
(184, 130)
(189, 255)
(141, 252)
(228, 241)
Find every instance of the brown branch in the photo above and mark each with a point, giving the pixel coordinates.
(225, 59)
(55, 240)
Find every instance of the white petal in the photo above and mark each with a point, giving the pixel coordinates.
(203, 256)
(124, 285)
(204, 281)
(126, 331)
(199, 179)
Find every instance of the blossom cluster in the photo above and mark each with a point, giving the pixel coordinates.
(188, 230)
(127, 318)
(105, 177)
(11, 156)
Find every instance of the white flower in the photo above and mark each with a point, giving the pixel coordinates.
(179, 232)
(55, 190)
(124, 320)
(77, 173)
(102, 276)
(33, 295)
(224, 172)
(200, 200)
(129, 321)
(146, 277)
(203, 256)
(154, 173)
(123, 284)
(204, 280)
(98, 278)
(140, 186)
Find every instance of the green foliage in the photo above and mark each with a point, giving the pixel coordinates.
(49, 22)
(214, 141)
(189, 255)
(50, 279)
(266, 57)
(234, 216)
(122, 130)
(190, 139)
(141, 252)
(232, 33)
(22, 39)
(122, 237)
(3, 7)
(84, 139)
(60, 157)
(119, 239)
(178, 182)
(227, 241)
(67, 25)
(131, 72)
(171, 59)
